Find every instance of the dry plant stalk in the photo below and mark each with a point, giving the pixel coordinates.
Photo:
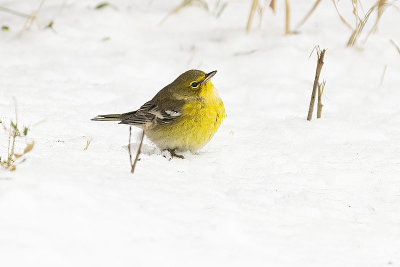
(379, 6)
(341, 17)
(287, 17)
(253, 8)
(88, 141)
(321, 88)
(185, 3)
(255, 5)
(355, 11)
(383, 75)
(320, 63)
(272, 5)
(357, 31)
(14, 12)
(133, 164)
(308, 14)
(395, 45)
(13, 158)
(33, 17)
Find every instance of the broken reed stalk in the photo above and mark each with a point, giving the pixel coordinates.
(321, 88)
(320, 63)
(287, 17)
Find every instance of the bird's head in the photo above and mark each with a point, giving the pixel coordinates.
(193, 83)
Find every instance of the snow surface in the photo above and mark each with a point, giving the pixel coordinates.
(270, 189)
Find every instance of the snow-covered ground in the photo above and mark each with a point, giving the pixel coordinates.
(270, 189)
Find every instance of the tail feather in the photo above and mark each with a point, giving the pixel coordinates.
(108, 117)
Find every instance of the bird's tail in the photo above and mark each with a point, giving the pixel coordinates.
(108, 117)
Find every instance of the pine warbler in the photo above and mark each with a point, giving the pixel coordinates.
(182, 116)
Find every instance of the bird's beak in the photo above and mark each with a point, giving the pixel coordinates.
(208, 76)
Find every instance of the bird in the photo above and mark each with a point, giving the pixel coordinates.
(183, 116)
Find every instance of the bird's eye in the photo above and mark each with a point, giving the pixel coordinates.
(194, 84)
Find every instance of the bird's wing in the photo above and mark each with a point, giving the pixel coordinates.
(151, 114)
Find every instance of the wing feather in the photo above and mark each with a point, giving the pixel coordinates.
(150, 114)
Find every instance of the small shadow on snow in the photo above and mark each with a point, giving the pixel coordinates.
(153, 150)
(146, 149)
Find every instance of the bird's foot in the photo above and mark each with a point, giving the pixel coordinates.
(174, 155)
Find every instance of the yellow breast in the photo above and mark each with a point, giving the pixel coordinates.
(198, 123)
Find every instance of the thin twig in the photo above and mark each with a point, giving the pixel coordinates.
(129, 145)
(321, 88)
(320, 63)
(138, 153)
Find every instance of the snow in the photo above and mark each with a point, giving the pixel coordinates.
(270, 189)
